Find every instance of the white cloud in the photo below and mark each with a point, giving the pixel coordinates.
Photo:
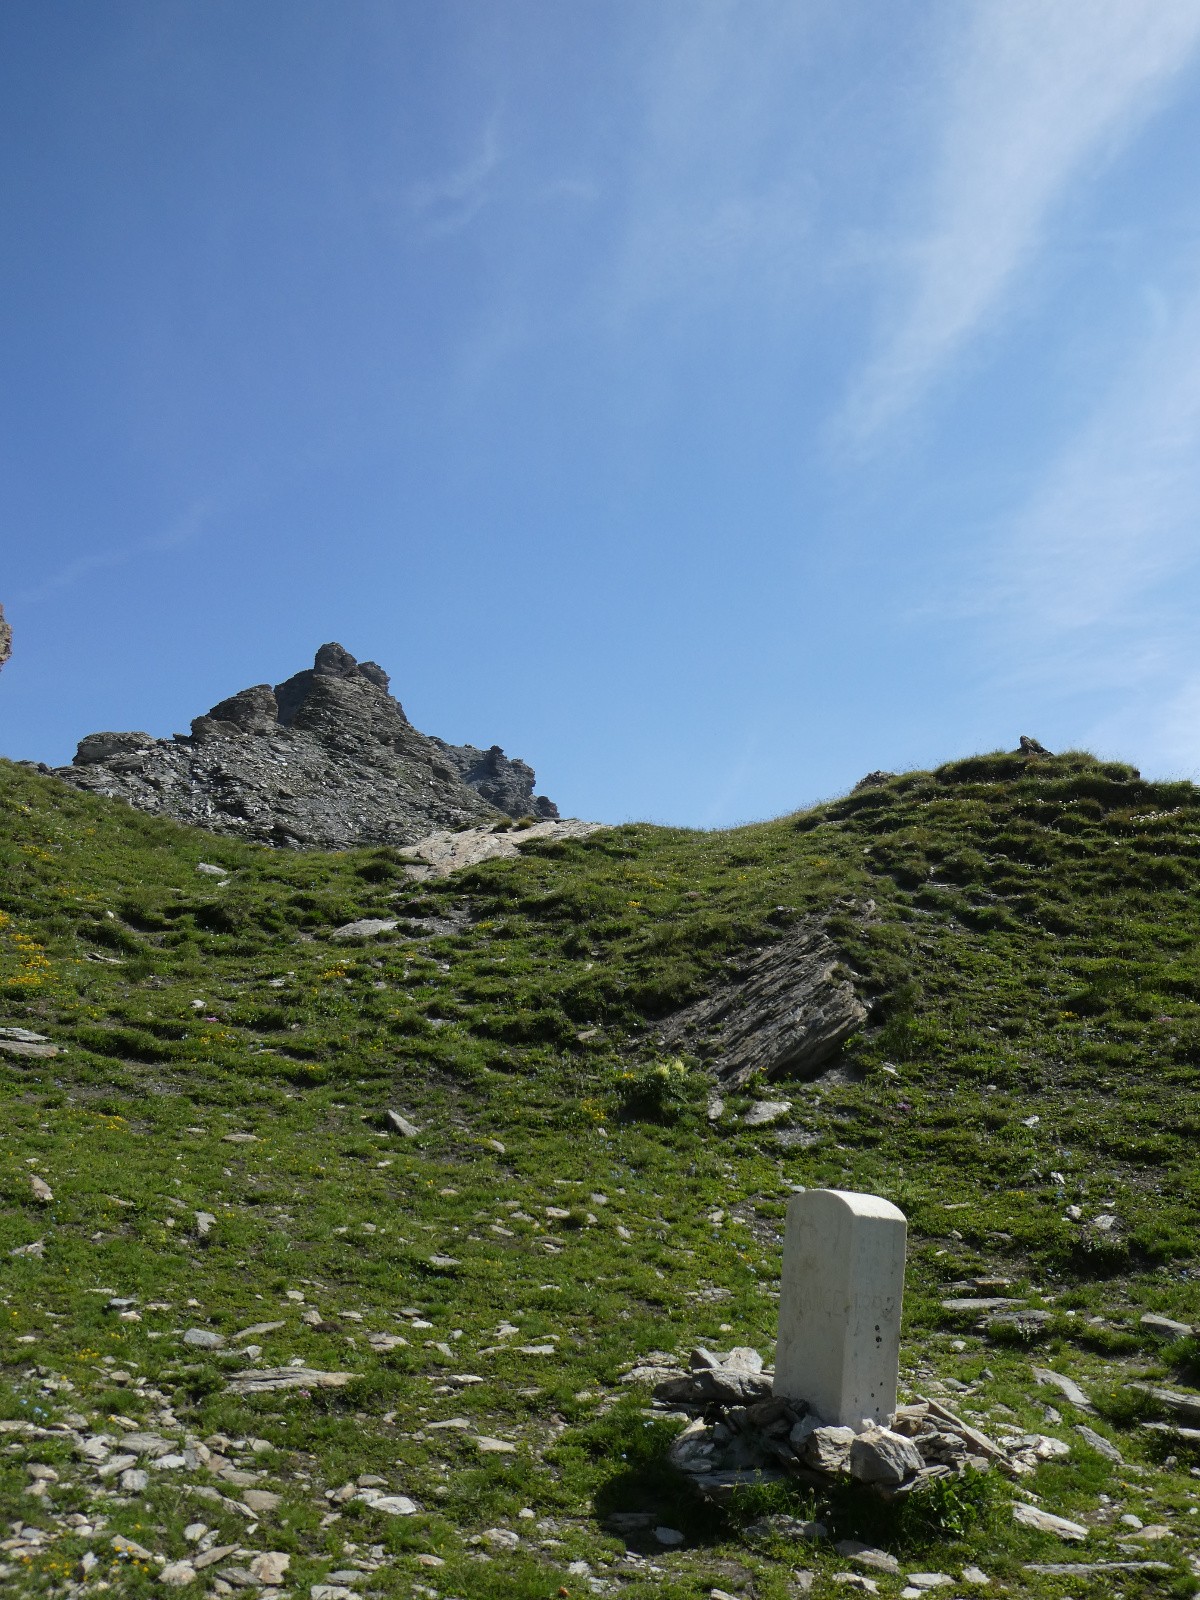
(1038, 95)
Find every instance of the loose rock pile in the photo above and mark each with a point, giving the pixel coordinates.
(740, 1433)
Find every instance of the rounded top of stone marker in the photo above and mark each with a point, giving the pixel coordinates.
(859, 1205)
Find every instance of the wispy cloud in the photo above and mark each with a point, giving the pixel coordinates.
(1037, 95)
(719, 193)
(451, 202)
(1084, 598)
(1119, 511)
(182, 531)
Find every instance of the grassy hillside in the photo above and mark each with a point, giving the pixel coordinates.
(1033, 961)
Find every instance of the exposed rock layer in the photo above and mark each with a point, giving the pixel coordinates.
(326, 760)
(5, 639)
(790, 1010)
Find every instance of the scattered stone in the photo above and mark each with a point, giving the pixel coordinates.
(494, 1447)
(257, 1330)
(239, 1138)
(395, 1505)
(270, 1566)
(35, 1048)
(205, 1223)
(130, 1547)
(866, 1555)
(994, 1303)
(41, 1189)
(271, 1378)
(260, 1500)
(444, 1262)
(1085, 1569)
(975, 1576)
(1099, 1443)
(177, 1574)
(501, 1538)
(922, 1582)
(668, 1536)
(204, 1339)
(763, 1112)
(1047, 1522)
(365, 928)
(856, 1580)
(1184, 1406)
(210, 870)
(37, 1249)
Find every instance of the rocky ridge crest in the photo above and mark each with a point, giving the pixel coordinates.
(326, 760)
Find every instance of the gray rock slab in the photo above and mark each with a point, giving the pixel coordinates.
(204, 1339)
(865, 1555)
(1084, 1569)
(763, 1112)
(365, 928)
(1067, 1387)
(992, 1303)
(789, 1010)
(1046, 1522)
(1178, 1404)
(1166, 1326)
(1098, 1442)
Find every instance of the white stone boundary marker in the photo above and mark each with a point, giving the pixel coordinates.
(839, 1306)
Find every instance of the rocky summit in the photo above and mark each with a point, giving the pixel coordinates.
(326, 760)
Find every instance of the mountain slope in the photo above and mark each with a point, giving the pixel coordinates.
(1024, 934)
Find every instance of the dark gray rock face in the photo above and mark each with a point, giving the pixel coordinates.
(506, 783)
(327, 760)
(787, 1013)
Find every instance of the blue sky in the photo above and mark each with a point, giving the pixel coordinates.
(709, 402)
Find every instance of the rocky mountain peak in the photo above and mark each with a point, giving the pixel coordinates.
(325, 759)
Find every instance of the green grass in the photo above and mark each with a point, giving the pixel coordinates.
(1034, 953)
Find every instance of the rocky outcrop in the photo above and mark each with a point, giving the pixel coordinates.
(5, 639)
(325, 760)
(789, 1011)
